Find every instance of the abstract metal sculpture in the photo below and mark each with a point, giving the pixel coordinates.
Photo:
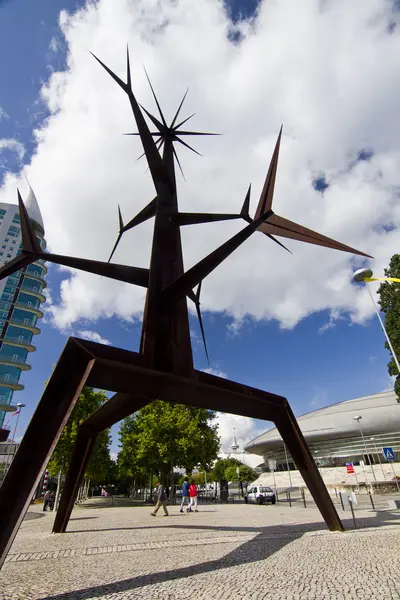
(163, 367)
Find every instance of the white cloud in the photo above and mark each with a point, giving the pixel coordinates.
(3, 114)
(12, 146)
(243, 428)
(93, 336)
(328, 71)
(217, 372)
(55, 44)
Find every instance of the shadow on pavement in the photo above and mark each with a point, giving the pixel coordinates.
(33, 515)
(259, 548)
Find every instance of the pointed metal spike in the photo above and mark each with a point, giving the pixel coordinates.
(178, 161)
(198, 291)
(156, 122)
(179, 108)
(29, 240)
(187, 146)
(244, 213)
(178, 288)
(183, 122)
(179, 132)
(121, 222)
(278, 226)
(155, 98)
(157, 168)
(146, 213)
(128, 69)
(203, 335)
(265, 202)
(121, 83)
(115, 246)
(133, 275)
(279, 243)
(153, 133)
(182, 218)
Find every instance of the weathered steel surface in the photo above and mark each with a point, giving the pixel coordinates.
(163, 368)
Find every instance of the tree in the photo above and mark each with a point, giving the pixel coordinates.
(163, 435)
(226, 468)
(97, 469)
(389, 300)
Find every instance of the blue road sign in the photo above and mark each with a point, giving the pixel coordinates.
(388, 453)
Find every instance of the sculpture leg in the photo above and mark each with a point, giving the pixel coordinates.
(80, 456)
(295, 442)
(116, 408)
(40, 439)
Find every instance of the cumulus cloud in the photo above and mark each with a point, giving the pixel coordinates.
(10, 145)
(244, 430)
(93, 336)
(327, 70)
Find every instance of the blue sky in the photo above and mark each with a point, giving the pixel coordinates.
(315, 363)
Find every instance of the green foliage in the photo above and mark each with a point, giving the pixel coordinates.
(99, 463)
(163, 435)
(226, 468)
(389, 300)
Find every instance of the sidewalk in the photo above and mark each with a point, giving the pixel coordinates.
(224, 552)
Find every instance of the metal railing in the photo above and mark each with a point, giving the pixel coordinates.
(17, 340)
(11, 380)
(9, 358)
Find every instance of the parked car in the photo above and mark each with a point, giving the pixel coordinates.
(261, 494)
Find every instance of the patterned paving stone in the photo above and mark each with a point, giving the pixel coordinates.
(220, 553)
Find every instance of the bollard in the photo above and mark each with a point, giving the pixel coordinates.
(341, 500)
(352, 513)
(372, 501)
(304, 498)
(289, 499)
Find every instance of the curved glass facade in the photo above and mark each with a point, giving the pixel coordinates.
(21, 296)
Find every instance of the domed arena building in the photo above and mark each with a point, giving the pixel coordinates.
(346, 432)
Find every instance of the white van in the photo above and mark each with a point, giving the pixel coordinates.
(260, 494)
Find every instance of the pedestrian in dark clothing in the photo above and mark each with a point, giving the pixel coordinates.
(161, 500)
(185, 493)
(51, 500)
(46, 500)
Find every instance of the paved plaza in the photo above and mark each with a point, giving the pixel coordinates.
(223, 552)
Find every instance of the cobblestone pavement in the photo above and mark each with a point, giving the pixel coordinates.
(222, 552)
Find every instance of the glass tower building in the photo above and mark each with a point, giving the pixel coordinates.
(21, 295)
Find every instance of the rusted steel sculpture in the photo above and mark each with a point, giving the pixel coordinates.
(163, 367)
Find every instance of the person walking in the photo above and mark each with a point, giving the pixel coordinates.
(161, 500)
(185, 493)
(46, 500)
(193, 496)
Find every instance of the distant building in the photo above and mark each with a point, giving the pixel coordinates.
(334, 435)
(21, 295)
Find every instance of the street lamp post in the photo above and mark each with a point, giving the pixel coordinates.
(287, 464)
(379, 457)
(358, 419)
(20, 406)
(365, 275)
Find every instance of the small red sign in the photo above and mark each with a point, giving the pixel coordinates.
(350, 467)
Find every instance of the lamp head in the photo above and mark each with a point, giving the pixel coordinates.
(361, 274)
